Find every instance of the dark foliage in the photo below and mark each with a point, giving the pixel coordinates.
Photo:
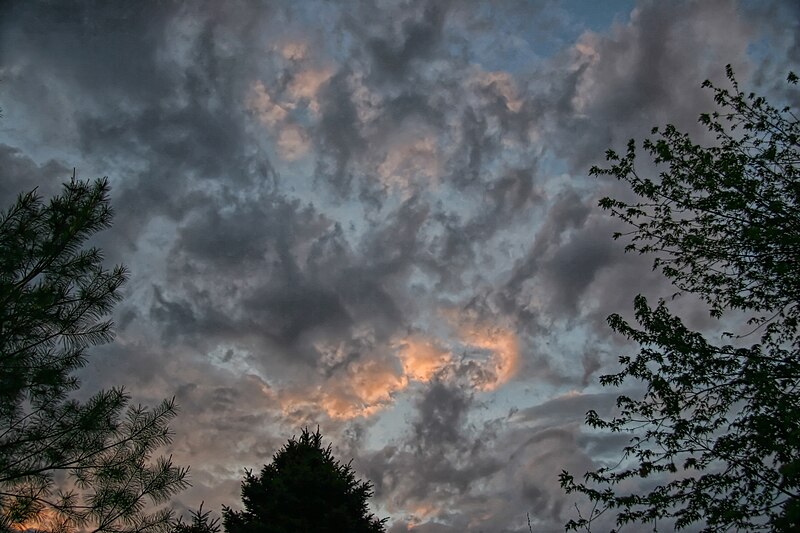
(64, 464)
(718, 429)
(201, 523)
(304, 489)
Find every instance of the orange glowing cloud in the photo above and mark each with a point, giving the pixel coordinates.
(46, 519)
(363, 389)
(273, 110)
(419, 512)
(369, 386)
(294, 51)
(261, 103)
(502, 344)
(504, 84)
(305, 86)
(366, 387)
(500, 357)
(410, 161)
(374, 381)
(422, 358)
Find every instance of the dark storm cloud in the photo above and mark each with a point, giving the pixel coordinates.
(287, 314)
(21, 174)
(392, 246)
(411, 105)
(606, 97)
(574, 267)
(342, 135)
(249, 282)
(288, 279)
(478, 146)
(435, 98)
(339, 135)
(507, 200)
(442, 411)
(568, 212)
(143, 90)
(102, 47)
(417, 39)
(567, 409)
(454, 251)
(513, 191)
(445, 452)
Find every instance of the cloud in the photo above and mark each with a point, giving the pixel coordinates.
(373, 216)
(647, 72)
(293, 143)
(417, 38)
(410, 165)
(22, 174)
(305, 86)
(502, 347)
(294, 51)
(268, 111)
(360, 389)
(422, 358)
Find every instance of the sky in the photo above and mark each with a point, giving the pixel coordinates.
(375, 217)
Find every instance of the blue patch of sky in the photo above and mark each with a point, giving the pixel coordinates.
(392, 423)
(597, 15)
(517, 43)
(761, 50)
(326, 19)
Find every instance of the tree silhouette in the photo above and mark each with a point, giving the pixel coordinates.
(64, 464)
(719, 425)
(201, 523)
(304, 489)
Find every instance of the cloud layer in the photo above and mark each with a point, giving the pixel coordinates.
(372, 216)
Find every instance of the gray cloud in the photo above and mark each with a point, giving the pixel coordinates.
(417, 39)
(339, 136)
(648, 72)
(303, 189)
(21, 174)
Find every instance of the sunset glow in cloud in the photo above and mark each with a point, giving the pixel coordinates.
(268, 111)
(503, 347)
(422, 358)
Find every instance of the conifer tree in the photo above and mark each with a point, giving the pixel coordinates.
(65, 464)
(304, 490)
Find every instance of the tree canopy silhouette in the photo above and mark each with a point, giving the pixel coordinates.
(65, 464)
(201, 522)
(304, 489)
(719, 425)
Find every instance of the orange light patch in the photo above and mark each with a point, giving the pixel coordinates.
(261, 103)
(368, 386)
(364, 389)
(420, 512)
(46, 520)
(294, 51)
(409, 162)
(375, 381)
(422, 358)
(504, 84)
(503, 345)
(501, 358)
(305, 86)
